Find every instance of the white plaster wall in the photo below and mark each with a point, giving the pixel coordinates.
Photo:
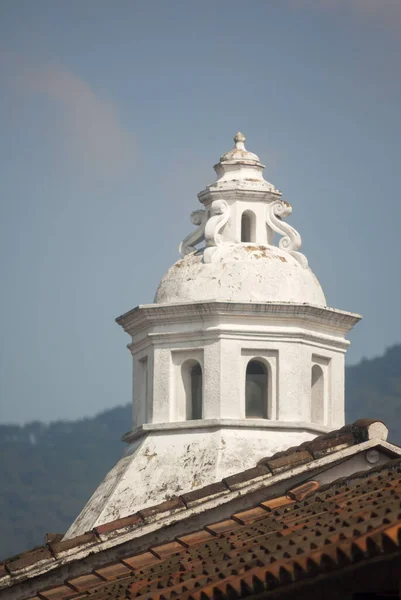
(162, 385)
(337, 388)
(142, 386)
(293, 398)
(164, 464)
(259, 209)
(230, 393)
(223, 346)
(212, 379)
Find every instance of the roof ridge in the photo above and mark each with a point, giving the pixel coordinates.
(383, 537)
(280, 463)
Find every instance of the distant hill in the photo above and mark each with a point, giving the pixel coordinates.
(48, 472)
(373, 390)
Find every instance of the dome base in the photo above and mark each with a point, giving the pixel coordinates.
(181, 457)
(242, 273)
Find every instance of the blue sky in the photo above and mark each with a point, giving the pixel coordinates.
(111, 117)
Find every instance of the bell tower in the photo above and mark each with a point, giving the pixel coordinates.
(238, 357)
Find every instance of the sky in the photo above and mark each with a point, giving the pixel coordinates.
(112, 115)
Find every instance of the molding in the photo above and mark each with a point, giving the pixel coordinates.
(199, 336)
(318, 340)
(145, 315)
(256, 191)
(184, 426)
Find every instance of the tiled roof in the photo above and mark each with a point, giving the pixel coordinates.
(271, 519)
(277, 543)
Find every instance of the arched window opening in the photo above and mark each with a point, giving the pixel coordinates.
(256, 390)
(191, 372)
(196, 393)
(248, 222)
(317, 393)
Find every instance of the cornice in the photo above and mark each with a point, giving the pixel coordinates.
(229, 190)
(317, 340)
(147, 315)
(251, 424)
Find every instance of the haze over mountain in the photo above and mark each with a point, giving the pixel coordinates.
(49, 471)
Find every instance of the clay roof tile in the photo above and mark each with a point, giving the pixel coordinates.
(203, 494)
(159, 510)
(29, 558)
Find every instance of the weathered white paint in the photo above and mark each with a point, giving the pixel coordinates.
(240, 273)
(223, 337)
(222, 306)
(166, 463)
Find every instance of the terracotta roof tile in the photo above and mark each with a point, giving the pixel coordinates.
(303, 491)
(84, 582)
(130, 521)
(28, 558)
(223, 526)
(195, 538)
(327, 444)
(58, 547)
(281, 541)
(275, 503)
(139, 561)
(348, 517)
(167, 549)
(203, 494)
(159, 510)
(113, 571)
(284, 461)
(57, 593)
(365, 429)
(240, 480)
(247, 516)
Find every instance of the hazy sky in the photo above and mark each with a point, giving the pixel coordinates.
(112, 113)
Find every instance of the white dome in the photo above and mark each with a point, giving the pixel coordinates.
(240, 273)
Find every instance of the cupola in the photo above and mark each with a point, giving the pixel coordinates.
(238, 357)
(242, 216)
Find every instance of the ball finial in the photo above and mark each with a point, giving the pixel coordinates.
(239, 141)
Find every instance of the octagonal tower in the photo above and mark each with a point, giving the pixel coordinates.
(239, 357)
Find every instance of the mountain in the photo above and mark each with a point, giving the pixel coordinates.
(48, 472)
(373, 390)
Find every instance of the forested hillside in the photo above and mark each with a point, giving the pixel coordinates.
(373, 390)
(48, 472)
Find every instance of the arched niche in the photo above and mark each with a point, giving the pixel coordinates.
(317, 394)
(192, 379)
(248, 226)
(257, 390)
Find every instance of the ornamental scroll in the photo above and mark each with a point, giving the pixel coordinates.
(219, 216)
(208, 229)
(198, 217)
(291, 240)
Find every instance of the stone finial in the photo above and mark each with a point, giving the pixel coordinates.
(239, 154)
(239, 141)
